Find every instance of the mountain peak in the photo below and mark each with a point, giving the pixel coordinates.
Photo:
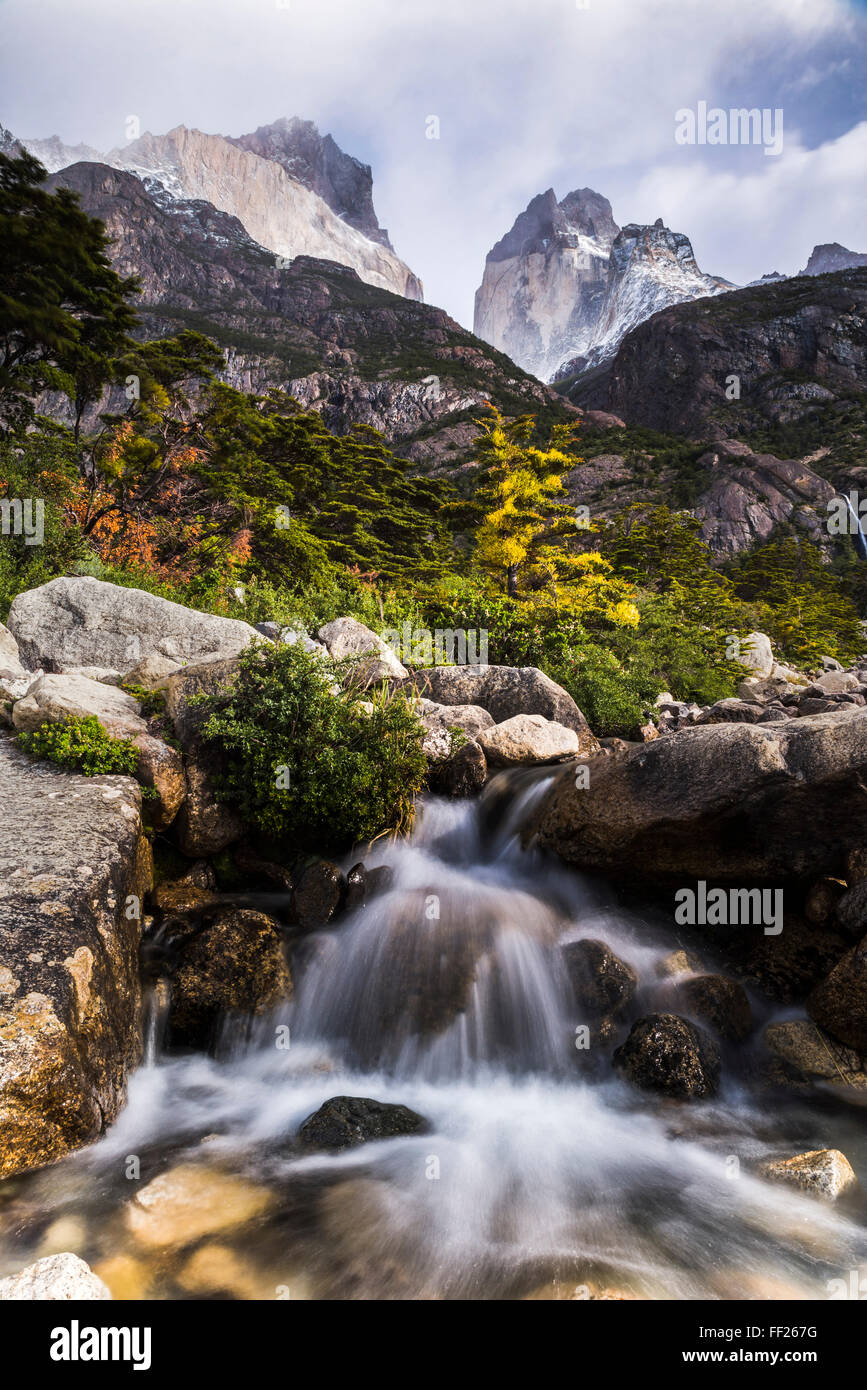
(545, 222)
(832, 256)
(318, 162)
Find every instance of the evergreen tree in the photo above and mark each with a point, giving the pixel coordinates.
(64, 315)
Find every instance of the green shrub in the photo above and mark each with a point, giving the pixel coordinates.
(307, 767)
(152, 702)
(81, 745)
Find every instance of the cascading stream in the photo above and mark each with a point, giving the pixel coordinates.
(540, 1169)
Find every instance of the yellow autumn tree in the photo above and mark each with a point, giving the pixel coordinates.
(528, 537)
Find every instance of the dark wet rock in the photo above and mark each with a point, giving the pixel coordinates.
(604, 985)
(789, 965)
(462, 774)
(719, 1002)
(319, 894)
(236, 964)
(182, 895)
(251, 862)
(839, 1003)
(670, 1055)
(850, 915)
(803, 1055)
(356, 888)
(379, 880)
(345, 1121)
(822, 900)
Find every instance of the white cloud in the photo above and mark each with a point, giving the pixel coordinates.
(769, 218)
(530, 94)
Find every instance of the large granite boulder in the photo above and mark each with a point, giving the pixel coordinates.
(74, 869)
(369, 659)
(732, 802)
(470, 719)
(506, 691)
(85, 622)
(528, 740)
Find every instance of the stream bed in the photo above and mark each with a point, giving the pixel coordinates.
(541, 1173)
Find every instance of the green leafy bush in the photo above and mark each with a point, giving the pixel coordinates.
(81, 745)
(152, 702)
(308, 767)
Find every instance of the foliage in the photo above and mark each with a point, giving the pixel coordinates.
(802, 606)
(63, 310)
(152, 702)
(81, 745)
(314, 498)
(310, 768)
(527, 535)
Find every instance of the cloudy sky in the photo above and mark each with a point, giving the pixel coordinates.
(530, 94)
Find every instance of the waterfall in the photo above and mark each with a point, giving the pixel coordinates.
(539, 1168)
(859, 540)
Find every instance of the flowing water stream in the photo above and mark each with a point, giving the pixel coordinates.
(541, 1173)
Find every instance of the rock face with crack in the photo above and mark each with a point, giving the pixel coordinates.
(734, 802)
(74, 868)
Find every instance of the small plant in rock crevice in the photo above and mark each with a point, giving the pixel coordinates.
(81, 745)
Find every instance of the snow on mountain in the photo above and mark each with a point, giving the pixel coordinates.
(278, 212)
(565, 285)
(54, 154)
(650, 268)
(294, 191)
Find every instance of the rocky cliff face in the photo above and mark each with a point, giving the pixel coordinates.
(832, 256)
(650, 268)
(544, 283)
(565, 285)
(740, 495)
(293, 191)
(318, 162)
(277, 211)
(354, 352)
(786, 348)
